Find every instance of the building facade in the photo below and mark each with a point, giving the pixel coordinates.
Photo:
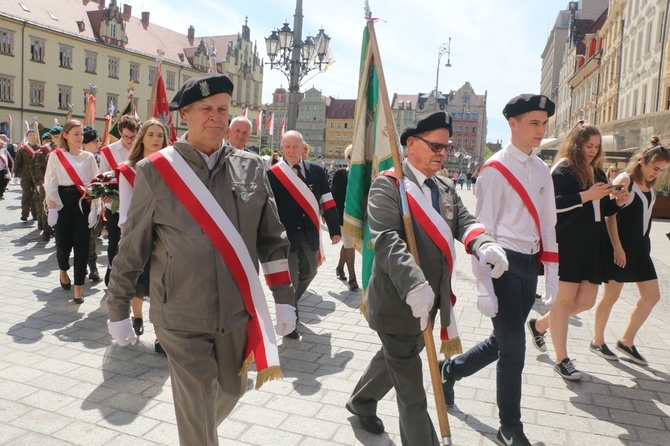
(403, 107)
(339, 127)
(311, 121)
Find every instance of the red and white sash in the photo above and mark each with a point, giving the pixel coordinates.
(207, 212)
(545, 256)
(73, 169)
(127, 172)
(305, 199)
(46, 148)
(28, 149)
(109, 156)
(4, 161)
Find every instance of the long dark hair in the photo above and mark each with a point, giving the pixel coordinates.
(571, 149)
(137, 152)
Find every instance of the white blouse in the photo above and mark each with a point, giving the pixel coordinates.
(125, 194)
(56, 175)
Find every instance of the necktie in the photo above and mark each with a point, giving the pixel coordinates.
(298, 171)
(434, 195)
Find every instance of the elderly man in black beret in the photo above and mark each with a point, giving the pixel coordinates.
(402, 295)
(205, 213)
(515, 200)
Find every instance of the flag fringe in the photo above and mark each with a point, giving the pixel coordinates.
(451, 347)
(268, 374)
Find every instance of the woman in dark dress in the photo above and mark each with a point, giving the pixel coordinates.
(347, 253)
(630, 252)
(582, 202)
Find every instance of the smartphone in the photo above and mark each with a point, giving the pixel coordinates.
(617, 187)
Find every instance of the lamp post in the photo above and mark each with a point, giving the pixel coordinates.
(445, 48)
(295, 58)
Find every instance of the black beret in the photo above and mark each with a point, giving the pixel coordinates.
(90, 134)
(528, 102)
(426, 123)
(200, 87)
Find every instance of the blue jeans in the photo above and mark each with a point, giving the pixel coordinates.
(515, 290)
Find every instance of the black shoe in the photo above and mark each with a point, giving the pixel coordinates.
(65, 285)
(353, 285)
(371, 423)
(107, 274)
(538, 337)
(158, 348)
(340, 275)
(632, 353)
(567, 370)
(538, 296)
(78, 300)
(447, 383)
(511, 437)
(138, 326)
(39, 225)
(603, 351)
(46, 236)
(293, 335)
(93, 272)
(24, 218)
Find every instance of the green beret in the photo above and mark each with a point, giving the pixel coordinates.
(200, 87)
(426, 123)
(528, 102)
(46, 135)
(56, 130)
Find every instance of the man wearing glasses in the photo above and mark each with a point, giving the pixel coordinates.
(111, 156)
(402, 293)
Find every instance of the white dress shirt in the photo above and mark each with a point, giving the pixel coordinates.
(500, 208)
(421, 178)
(120, 155)
(56, 175)
(125, 194)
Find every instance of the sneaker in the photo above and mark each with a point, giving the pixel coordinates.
(538, 337)
(447, 383)
(632, 353)
(511, 437)
(567, 370)
(603, 351)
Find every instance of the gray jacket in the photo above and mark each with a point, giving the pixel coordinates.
(394, 271)
(192, 289)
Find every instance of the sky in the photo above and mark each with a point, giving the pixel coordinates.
(496, 45)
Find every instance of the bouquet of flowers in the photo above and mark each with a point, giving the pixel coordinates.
(104, 186)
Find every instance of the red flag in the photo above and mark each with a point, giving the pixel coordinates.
(259, 122)
(271, 123)
(162, 107)
(89, 118)
(244, 113)
(283, 127)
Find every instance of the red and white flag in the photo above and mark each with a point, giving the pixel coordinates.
(245, 112)
(283, 126)
(162, 106)
(89, 117)
(259, 122)
(271, 123)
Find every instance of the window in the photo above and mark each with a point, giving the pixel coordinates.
(460, 127)
(114, 67)
(345, 125)
(112, 30)
(112, 102)
(36, 50)
(467, 128)
(6, 42)
(475, 115)
(36, 93)
(64, 97)
(135, 72)
(169, 80)
(344, 137)
(650, 36)
(65, 56)
(152, 74)
(6, 89)
(90, 62)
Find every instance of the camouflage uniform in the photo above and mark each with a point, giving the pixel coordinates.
(38, 166)
(22, 170)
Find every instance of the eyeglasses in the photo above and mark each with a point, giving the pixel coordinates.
(436, 147)
(129, 138)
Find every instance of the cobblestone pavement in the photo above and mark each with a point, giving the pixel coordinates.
(63, 381)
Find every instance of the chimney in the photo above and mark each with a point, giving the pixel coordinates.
(126, 11)
(145, 17)
(191, 35)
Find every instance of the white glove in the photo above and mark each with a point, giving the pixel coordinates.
(122, 332)
(493, 254)
(93, 214)
(487, 301)
(52, 218)
(286, 319)
(421, 298)
(550, 283)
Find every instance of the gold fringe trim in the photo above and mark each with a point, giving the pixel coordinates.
(269, 374)
(451, 347)
(364, 303)
(245, 365)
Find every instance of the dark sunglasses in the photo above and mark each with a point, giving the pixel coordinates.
(436, 147)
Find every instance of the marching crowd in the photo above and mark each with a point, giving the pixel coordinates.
(193, 220)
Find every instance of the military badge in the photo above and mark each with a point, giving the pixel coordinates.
(543, 102)
(244, 196)
(204, 89)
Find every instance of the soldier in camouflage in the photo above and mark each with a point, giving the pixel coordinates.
(38, 166)
(22, 170)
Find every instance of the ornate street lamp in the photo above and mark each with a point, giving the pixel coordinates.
(445, 48)
(295, 58)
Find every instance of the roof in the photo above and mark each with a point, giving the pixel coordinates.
(341, 109)
(404, 101)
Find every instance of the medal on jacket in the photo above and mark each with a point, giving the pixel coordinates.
(244, 196)
(449, 214)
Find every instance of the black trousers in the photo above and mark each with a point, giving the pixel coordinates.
(3, 182)
(515, 290)
(114, 233)
(72, 232)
